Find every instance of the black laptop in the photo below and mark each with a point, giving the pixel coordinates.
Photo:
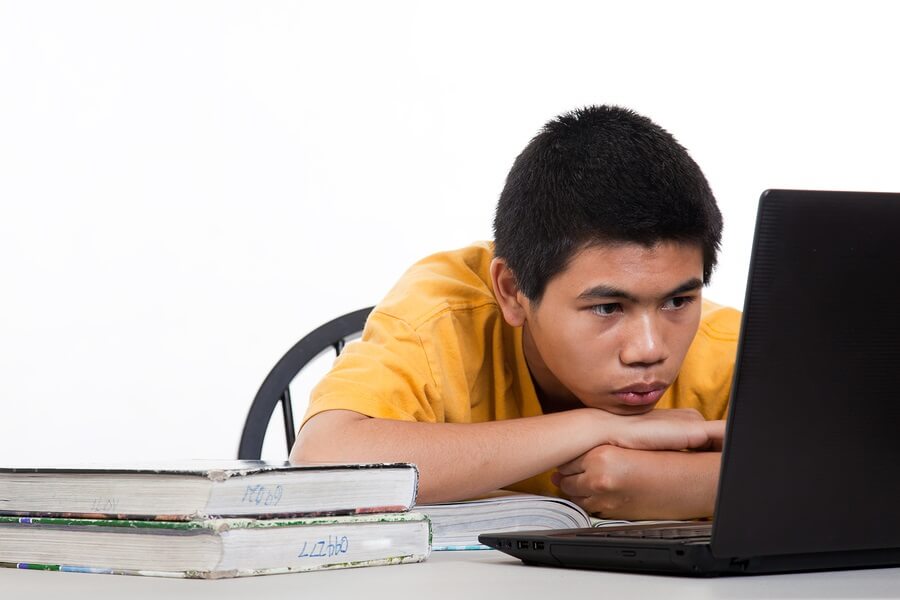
(811, 466)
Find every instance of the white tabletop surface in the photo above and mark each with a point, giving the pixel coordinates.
(473, 574)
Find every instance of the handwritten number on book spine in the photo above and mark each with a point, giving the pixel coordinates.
(327, 547)
(263, 495)
(104, 505)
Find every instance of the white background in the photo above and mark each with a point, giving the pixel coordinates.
(188, 187)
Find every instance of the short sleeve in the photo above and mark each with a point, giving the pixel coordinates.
(386, 374)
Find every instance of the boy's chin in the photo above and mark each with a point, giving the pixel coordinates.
(625, 410)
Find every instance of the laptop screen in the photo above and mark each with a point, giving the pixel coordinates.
(812, 455)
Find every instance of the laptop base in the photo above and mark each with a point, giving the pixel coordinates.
(571, 548)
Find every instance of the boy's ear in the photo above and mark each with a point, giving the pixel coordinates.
(512, 301)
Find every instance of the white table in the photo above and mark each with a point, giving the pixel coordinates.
(457, 575)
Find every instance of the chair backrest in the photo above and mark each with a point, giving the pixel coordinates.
(275, 388)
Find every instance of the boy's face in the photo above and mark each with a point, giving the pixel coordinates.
(612, 330)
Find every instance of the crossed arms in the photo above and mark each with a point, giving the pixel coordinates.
(660, 465)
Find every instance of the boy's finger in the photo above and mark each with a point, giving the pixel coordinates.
(715, 428)
(574, 486)
(572, 467)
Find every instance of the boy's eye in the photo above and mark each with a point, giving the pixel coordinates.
(606, 309)
(677, 302)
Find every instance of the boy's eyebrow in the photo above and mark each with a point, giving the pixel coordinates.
(607, 291)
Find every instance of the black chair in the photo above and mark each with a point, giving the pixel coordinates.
(275, 388)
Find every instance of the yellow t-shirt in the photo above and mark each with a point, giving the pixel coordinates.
(437, 350)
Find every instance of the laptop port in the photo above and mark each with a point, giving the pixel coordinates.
(537, 545)
(522, 545)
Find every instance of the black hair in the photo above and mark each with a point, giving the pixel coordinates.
(600, 174)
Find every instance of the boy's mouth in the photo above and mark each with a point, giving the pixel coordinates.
(641, 394)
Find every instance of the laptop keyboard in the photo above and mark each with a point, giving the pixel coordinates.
(687, 531)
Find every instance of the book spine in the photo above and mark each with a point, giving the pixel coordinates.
(223, 574)
(264, 492)
(248, 547)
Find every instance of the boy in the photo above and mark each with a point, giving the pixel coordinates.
(536, 363)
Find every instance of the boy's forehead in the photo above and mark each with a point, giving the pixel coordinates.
(631, 268)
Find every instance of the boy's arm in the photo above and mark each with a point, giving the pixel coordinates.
(623, 483)
(458, 461)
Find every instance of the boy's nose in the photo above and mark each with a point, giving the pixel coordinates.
(643, 343)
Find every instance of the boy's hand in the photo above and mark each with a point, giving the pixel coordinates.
(665, 429)
(631, 484)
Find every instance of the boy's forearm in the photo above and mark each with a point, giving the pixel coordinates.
(455, 461)
(682, 485)
(462, 460)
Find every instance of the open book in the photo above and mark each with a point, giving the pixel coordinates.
(456, 525)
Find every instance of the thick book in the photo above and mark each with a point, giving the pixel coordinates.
(200, 489)
(214, 548)
(456, 525)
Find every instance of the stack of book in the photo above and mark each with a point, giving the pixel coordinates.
(210, 520)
